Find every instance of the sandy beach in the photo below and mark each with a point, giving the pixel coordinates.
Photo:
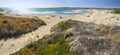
(95, 16)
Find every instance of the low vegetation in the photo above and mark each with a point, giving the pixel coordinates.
(54, 44)
(13, 26)
(82, 39)
(62, 26)
(116, 11)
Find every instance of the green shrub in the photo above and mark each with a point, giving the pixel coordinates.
(64, 26)
(24, 51)
(51, 45)
(116, 11)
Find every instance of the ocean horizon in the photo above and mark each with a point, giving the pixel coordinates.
(43, 11)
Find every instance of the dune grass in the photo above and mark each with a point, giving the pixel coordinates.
(64, 26)
(10, 26)
(61, 26)
(51, 45)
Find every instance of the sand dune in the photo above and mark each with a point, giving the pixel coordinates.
(96, 16)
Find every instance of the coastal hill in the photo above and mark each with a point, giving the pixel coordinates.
(15, 26)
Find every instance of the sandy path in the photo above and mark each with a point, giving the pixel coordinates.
(13, 45)
(95, 16)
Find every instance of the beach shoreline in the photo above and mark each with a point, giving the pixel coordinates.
(98, 17)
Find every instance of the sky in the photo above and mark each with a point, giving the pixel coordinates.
(59, 3)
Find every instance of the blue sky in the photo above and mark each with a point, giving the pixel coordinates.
(59, 3)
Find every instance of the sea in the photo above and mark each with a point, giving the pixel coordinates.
(43, 11)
